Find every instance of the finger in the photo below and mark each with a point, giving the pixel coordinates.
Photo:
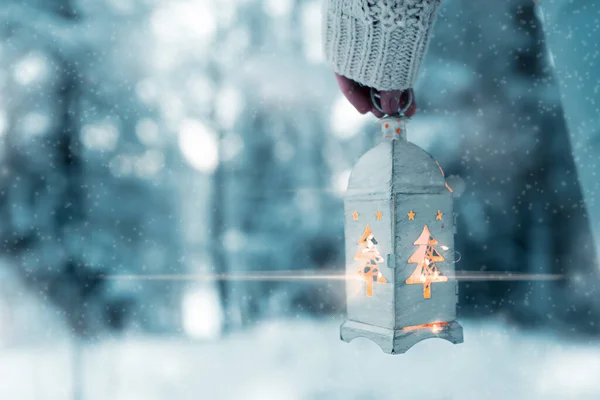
(377, 113)
(390, 101)
(394, 100)
(412, 110)
(409, 95)
(357, 95)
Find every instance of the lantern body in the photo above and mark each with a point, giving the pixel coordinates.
(399, 232)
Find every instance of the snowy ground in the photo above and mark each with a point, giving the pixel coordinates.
(305, 360)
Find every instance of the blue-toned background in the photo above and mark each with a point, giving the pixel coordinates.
(187, 138)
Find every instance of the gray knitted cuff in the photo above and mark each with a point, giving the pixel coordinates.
(379, 43)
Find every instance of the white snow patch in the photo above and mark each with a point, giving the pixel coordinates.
(232, 145)
(199, 145)
(304, 359)
(3, 122)
(184, 20)
(234, 240)
(230, 104)
(201, 91)
(340, 182)
(147, 132)
(311, 28)
(278, 8)
(122, 165)
(122, 7)
(284, 151)
(146, 91)
(35, 124)
(150, 163)
(551, 59)
(345, 121)
(431, 132)
(202, 317)
(32, 68)
(102, 136)
(584, 370)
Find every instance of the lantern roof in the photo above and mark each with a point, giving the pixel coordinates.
(396, 166)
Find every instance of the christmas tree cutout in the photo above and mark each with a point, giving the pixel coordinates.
(425, 257)
(369, 257)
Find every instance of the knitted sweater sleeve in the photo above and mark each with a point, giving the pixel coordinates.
(379, 43)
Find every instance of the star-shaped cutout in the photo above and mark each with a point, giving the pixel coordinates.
(378, 215)
(411, 215)
(438, 217)
(355, 216)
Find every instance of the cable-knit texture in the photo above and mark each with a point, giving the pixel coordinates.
(379, 43)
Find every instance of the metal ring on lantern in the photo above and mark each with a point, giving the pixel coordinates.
(401, 111)
(459, 256)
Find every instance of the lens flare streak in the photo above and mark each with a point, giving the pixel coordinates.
(308, 276)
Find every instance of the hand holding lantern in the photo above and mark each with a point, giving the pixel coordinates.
(390, 100)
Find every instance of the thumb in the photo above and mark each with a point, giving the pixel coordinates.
(394, 100)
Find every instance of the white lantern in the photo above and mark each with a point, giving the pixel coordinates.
(399, 229)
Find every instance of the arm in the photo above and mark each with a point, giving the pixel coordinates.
(378, 43)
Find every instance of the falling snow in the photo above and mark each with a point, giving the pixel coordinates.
(172, 138)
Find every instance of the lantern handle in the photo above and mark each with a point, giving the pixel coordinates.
(401, 111)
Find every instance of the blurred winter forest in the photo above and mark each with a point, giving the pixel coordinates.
(183, 138)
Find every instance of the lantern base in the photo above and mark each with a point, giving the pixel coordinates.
(398, 341)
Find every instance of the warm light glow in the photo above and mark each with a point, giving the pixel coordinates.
(435, 327)
(369, 258)
(441, 170)
(444, 175)
(426, 257)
